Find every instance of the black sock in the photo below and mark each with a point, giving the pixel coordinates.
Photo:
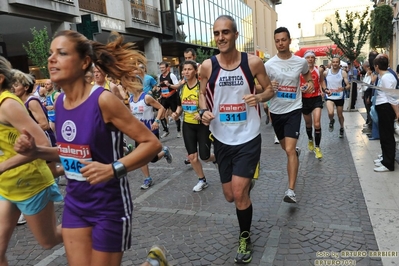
(309, 132)
(245, 219)
(317, 136)
(164, 125)
(178, 123)
(203, 179)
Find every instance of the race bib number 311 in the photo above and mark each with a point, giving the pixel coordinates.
(230, 114)
(70, 154)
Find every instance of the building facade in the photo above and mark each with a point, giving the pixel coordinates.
(162, 29)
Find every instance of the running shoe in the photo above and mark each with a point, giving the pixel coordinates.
(179, 134)
(165, 134)
(318, 153)
(381, 168)
(157, 254)
(378, 160)
(200, 186)
(290, 196)
(168, 156)
(298, 151)
(21, 220)
(187, 161)
(129, 148)
(310, 145)
(244, 251)
(147, 183)
(331, 125)
(341, 132)
(276, 141)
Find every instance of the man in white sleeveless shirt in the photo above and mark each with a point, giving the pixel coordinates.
(229, 105)
(337, 82)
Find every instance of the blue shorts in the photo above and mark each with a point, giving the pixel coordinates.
(38, 202)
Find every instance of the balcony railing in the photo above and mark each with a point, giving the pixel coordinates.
(98, 6)
(145, 14)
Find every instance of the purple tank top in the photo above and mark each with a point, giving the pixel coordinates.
(82, 134)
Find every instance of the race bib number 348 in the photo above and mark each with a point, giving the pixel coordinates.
(70, 154)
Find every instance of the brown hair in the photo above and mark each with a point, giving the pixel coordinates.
(6, 71)
(115, 58)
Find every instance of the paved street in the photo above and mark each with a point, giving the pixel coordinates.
(201, 228)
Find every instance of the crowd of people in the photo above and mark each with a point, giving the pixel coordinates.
(98, 93)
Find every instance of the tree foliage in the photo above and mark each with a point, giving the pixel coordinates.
(203, 55)
(38, 49)
(381, 27)
(352, 33)
(331, 53)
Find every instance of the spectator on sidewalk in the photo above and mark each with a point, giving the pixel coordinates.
(386, 116)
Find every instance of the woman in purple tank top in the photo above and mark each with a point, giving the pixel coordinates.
(90, 126)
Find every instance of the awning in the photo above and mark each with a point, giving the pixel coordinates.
(319, 50)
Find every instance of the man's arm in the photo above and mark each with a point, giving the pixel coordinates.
(206, 69)
(322, 81)
(346, 81)
(265, 92)
(176, 83)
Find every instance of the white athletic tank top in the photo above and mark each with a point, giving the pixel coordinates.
(334, 81)
(235, 122)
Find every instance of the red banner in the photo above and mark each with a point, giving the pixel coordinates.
(319, 50)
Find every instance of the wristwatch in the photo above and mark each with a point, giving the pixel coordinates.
(202, 111)
(158, 121)
(119, 169)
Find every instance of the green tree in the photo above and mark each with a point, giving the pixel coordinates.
(38, 49)
(202, 55)
(381, 27)
(352, 33)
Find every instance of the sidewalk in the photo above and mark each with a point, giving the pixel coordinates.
(380, 190)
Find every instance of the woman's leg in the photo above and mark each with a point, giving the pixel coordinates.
(44, 227)
(79, 251)
(9, 215)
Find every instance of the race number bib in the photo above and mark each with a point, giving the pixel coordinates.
(70, 154)
(189, 106)
(164, 91)
(335, 94)
(287, 93)
(137, 111)
(230, 114)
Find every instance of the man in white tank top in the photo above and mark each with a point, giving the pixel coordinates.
(229, 105)
(284, 70)
(337, 82)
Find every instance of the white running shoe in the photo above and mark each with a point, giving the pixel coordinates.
(179, 134)
(200, 186)
(290, 196)
(381, 168)
(164, 135)
(276, 141)
(21, 220)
